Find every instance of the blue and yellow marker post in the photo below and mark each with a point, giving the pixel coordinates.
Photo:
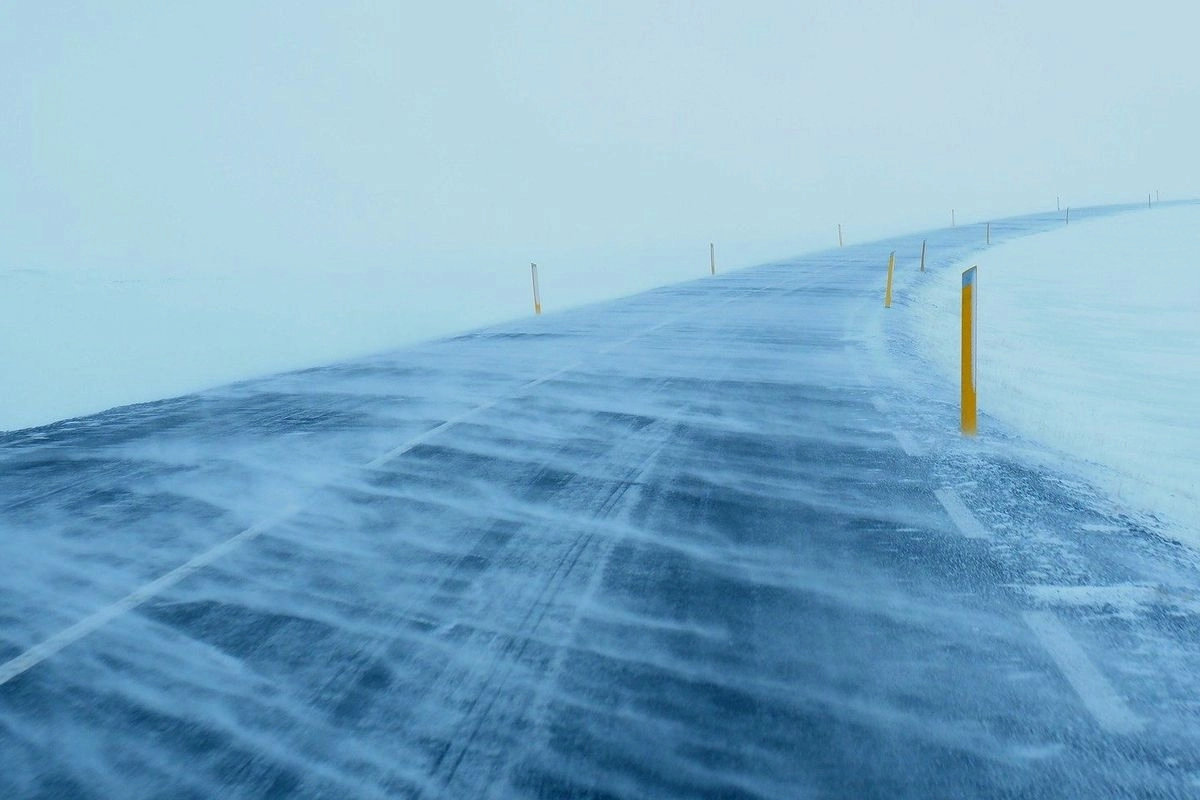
(969, 426)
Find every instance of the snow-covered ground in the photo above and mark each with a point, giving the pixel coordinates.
(76, 342)
(1089, 342)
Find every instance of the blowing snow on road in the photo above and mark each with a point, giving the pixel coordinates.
(721, 539)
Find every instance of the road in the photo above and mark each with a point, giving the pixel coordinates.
(717, 540)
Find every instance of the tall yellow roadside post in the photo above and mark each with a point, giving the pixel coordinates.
(887, 296)
(969, 426)
(537, 296)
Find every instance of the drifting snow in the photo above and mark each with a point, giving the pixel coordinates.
(1089, 342)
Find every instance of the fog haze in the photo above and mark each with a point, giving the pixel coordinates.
(450, 145)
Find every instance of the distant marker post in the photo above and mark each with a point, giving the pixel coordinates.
(887, 296)
(953, 224)
(537, 295)
(839, 234)
(922, 255)
(989, 233)
(712, 259)
(969, 425)
(1068, 215)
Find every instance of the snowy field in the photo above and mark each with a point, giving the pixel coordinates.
(75, 342)
(1090, 343)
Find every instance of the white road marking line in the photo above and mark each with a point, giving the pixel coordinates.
(856, 371)
(421, 438)
(48, 647)
(403, 448)
(98, 619)
(909, 444)
(1099, 697)
(962, 517)
(1127, 598)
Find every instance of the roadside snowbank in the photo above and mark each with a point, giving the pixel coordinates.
(1090, 343)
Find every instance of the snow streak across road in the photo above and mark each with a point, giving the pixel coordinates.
(716, 540)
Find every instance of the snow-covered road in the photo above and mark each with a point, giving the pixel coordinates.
(717, 540)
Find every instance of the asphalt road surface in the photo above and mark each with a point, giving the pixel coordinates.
(721, 539)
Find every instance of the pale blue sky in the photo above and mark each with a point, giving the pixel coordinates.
(475, 137)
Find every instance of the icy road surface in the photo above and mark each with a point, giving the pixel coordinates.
(717, 540)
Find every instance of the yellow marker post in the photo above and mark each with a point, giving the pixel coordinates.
(922, 255)
(887, 297)
(537, 295)
(712, 258)
(969, 426)
(839, 234)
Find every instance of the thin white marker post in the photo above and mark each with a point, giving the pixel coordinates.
(1156, 195)
(989, 233)
(953, 224)
(537, 295)
(887, 297)
(1068, 215)
(712, 258)
(1058, 202)
(839, 234)
(922, 255)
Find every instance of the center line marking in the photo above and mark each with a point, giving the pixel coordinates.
(908, 444)
(98, 619)
(960, 515)
(1099, 697)
(67, 636)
